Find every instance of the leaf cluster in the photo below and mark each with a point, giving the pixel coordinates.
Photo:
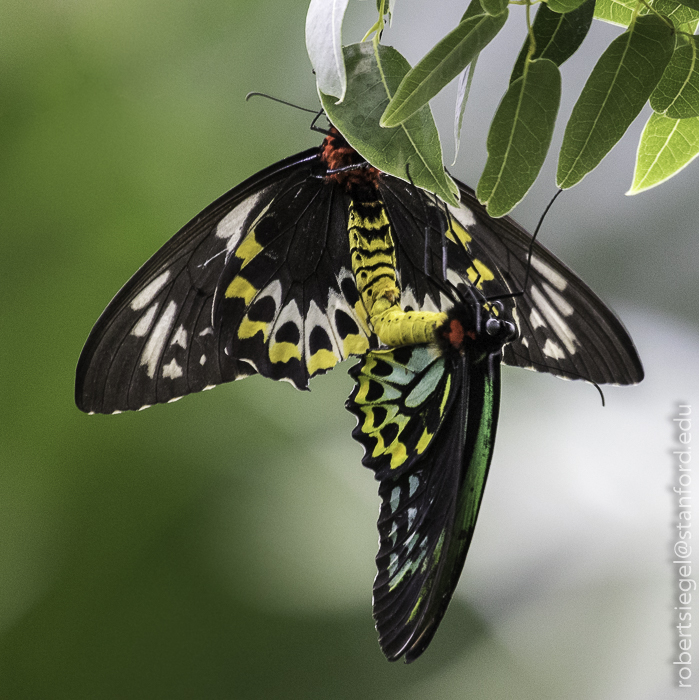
(380, 103)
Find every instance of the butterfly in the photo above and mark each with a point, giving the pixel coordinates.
(276, 277)
(262, 281)
(427, 416)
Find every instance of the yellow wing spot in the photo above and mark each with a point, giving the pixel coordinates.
(457, 231)
(248, 249)
(478, 269)
(248, 328)
(323, 359)
(241, 288)
(398, 453)
(424, 441)
(413, 612)
(396, 449)
(283, 352)
(368, 426)
(355, 344)
(363, 390)
(447, 387)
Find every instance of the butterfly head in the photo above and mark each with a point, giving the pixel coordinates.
(475, 326)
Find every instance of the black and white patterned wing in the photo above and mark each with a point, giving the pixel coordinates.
(287, 302)
(565, 328)
(156, 341)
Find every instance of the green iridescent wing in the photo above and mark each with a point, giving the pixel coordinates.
(427, 424)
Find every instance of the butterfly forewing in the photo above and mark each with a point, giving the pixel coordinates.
(431, 495)
(262, 281)
(259, 281)
(565, 329)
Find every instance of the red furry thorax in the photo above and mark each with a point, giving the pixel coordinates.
(339, 157)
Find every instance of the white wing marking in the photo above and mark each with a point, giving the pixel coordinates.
(158, 338)
(557, 280)
(558, 325)
(145, 322)
(553, 350)
(149, 292)
(172, 370)
(180, 338)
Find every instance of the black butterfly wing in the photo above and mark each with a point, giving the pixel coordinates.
(272, 252)
(565, 328)
(155, 341)
(428, 428)
(287, 303)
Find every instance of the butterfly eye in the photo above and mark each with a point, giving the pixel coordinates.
(493, 326)
(505, 331)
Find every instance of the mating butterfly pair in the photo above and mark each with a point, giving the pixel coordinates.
(264, 281)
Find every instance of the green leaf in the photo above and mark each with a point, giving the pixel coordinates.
(683, 18)
(619, 12)
(557, 37)
(371, 80)
(666, 147)
(563, 6)
(694, 4)
(520, 136)
(441, 65)
(494, 7)
(618, 87)
(324, 45)
(474, 8)
(677, 93)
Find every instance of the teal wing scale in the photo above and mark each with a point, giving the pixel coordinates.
(427, 423)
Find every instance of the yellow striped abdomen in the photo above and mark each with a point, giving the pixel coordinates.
(374, 268)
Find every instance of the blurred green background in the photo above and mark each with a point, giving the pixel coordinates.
(223, 546)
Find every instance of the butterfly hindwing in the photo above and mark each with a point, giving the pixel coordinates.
(287, 297)
(427, 424)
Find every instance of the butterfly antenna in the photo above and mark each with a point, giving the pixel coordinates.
(599, 388)
(536, 233)
(284, 102)
(318, 113)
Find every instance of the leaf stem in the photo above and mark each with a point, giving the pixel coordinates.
(532, 41)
